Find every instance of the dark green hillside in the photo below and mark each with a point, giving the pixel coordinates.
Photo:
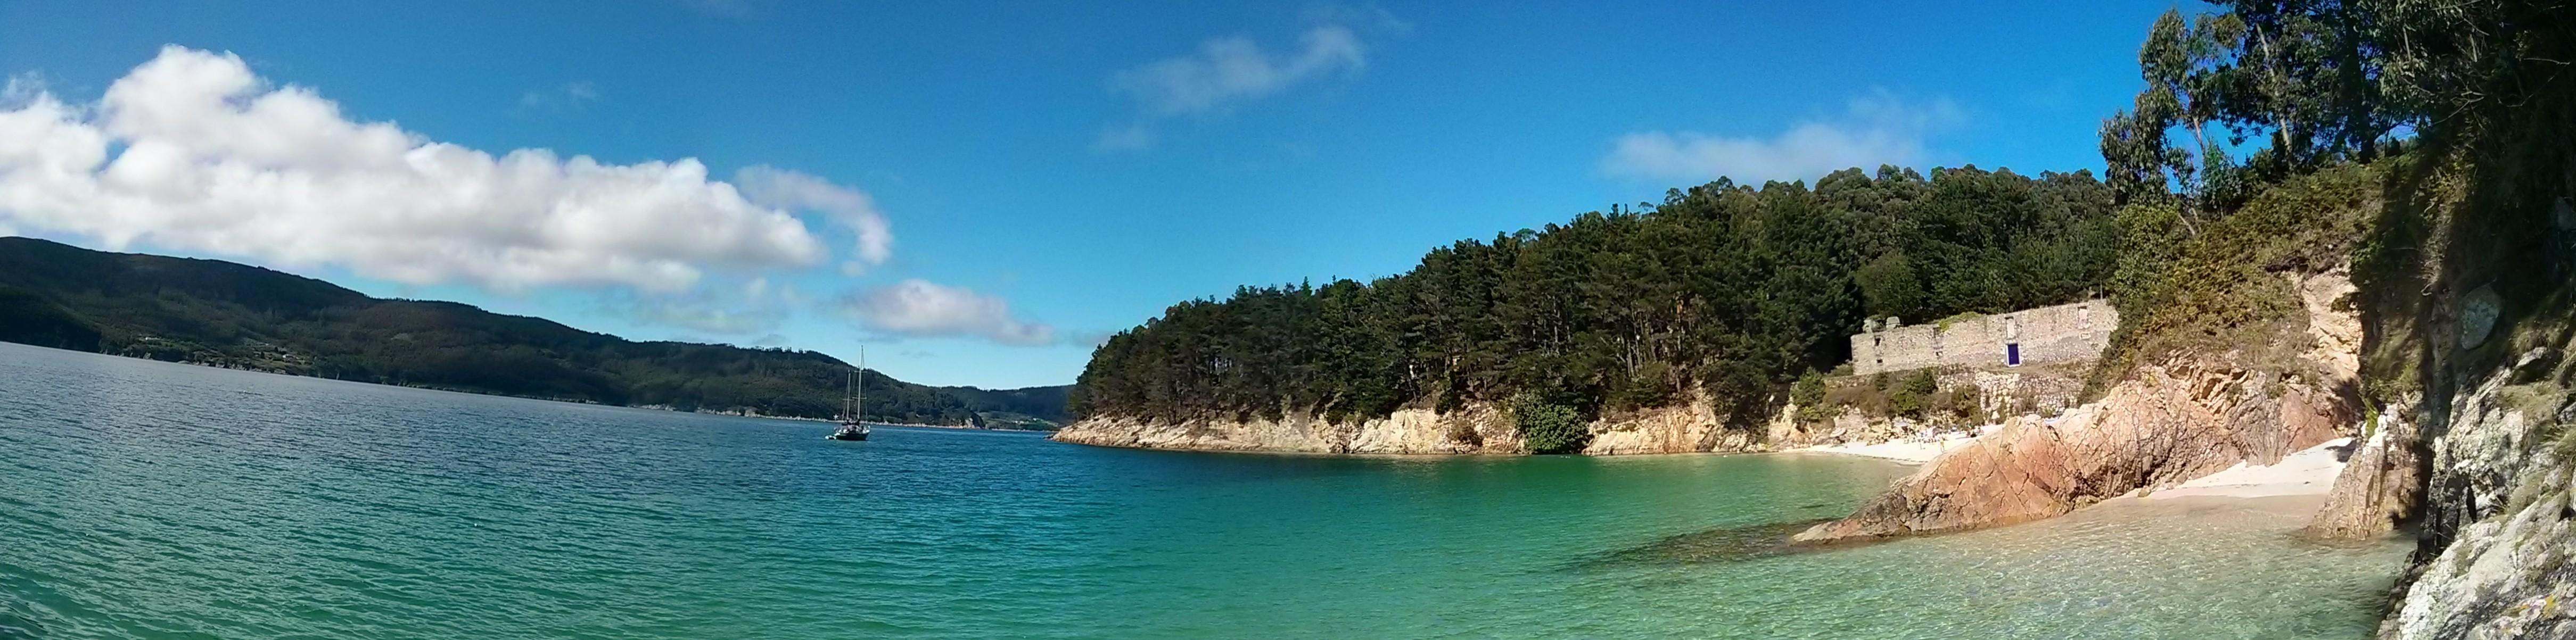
(226, 314)
(1025, 408)
(1730, 289)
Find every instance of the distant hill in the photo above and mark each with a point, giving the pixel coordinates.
(232, 315)
(1024, 408)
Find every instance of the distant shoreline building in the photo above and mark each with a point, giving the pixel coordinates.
(2066, 332)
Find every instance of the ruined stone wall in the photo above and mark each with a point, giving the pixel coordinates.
(2062, 333)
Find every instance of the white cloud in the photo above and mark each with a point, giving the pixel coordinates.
(850, 208)
(1235, 69)
(569, 97)
(919, 308)
(1873, 130)
(1232, 69)
(191, 151)
(691, 315)
(741, 307)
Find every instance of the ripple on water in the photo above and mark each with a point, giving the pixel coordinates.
(144, 499)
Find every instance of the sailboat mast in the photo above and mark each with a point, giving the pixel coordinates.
(862, 389)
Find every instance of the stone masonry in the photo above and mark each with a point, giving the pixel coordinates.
(2061, 333)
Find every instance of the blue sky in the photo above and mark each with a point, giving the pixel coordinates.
(1044, 173)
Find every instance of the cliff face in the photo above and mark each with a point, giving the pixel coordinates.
(1685, 428)
(1407, 431)
(2166, 426)
(2499, 512)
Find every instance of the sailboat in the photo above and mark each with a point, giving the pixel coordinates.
(851, 427)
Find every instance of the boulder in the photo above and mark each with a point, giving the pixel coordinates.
(2163, 427)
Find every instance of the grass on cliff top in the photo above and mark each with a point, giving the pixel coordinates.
(2225, 292)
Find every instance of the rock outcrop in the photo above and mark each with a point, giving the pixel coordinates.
(2378, 486)
(2194, 415)
(1685, 428)
(2499, 510)
(2165, 426)
(1408, 431)
(2504, 577)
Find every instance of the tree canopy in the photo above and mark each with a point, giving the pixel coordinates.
(1731, 289)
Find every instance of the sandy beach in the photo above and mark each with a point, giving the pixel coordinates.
(2308, 472)
(1913, 451)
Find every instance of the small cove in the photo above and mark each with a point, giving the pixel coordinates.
(153, 500)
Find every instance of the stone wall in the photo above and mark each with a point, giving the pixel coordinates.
(2063, 333)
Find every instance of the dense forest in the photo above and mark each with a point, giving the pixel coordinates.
(1733, 289)
(1738, 290)
(226, 314)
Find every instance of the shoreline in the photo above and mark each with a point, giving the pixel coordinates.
(1905, 450)
(2307, 472)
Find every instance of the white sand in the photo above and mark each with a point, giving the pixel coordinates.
(2309, 472)
(1913, 451)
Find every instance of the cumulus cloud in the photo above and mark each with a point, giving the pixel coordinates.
(853, 210)
(747, 307)
(1231, 70)
(1873, 129)
(191, 151)
(919, 308)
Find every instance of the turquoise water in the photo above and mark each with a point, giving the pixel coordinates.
(143, 499)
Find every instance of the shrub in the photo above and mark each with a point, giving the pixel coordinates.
(1651, 386)
(1944, 323)
(1960, 403)
(1548, 427)
(1809, 395)
(1914, 396)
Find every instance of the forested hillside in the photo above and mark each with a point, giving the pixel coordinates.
(226, 314)
(1734, 289)
(1042, 403)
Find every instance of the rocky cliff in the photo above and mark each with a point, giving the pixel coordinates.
(1407, 431)
(2499, 514)
(2194, 414)
(1682, 428)
(2168, 425)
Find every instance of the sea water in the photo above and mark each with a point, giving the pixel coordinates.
(155, 500)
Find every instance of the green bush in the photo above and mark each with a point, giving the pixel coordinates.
(1549, 427)
(1915, 395)
(1809, 395)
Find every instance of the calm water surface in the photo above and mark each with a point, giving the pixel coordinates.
(143, 499)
